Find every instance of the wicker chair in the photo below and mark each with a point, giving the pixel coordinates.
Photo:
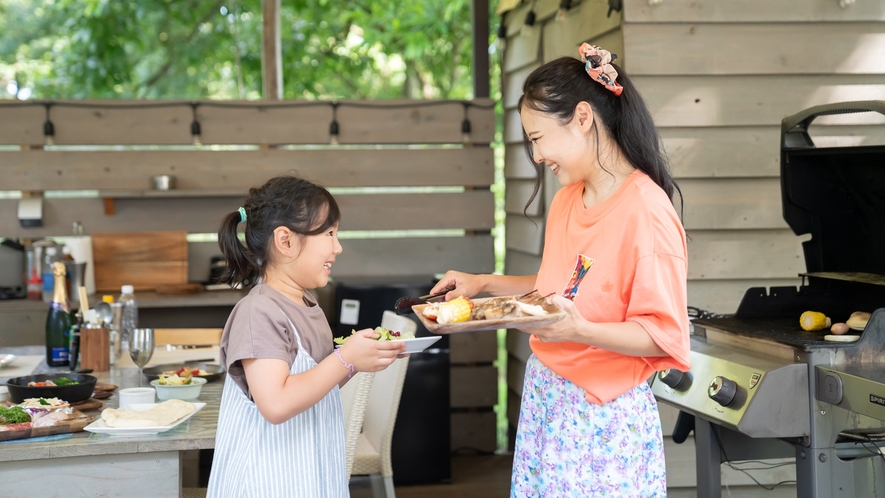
(354, 396)
(373, 448)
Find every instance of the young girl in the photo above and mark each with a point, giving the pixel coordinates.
(280, 425)
(615, 258)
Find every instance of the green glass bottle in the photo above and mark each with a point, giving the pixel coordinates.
(58, 321)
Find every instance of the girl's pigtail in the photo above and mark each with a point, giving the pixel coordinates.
(241, 266)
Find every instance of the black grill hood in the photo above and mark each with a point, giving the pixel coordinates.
(837, 195)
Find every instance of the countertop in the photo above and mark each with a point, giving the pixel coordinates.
(198, 432)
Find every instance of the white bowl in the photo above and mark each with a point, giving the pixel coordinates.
(136, 395)
(4, 393)
(186, 392)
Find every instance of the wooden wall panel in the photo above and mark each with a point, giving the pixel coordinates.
(736, 254)
(516, 162)
(513, 85)
(723, 151)
(512, 127)
(244, 122)
(518, 345)
(682, 49)
(544, 10)
(474, 431)
(520, 263)
(415, 256)
(522, 50)
(755, 100)
(22, 124)
(473, 387)
(744, 151)
(585, 22)
(732, 203)
(518, 193)
(523, 234)
(74, 170)
(115, 122)
(741, 11)
(476, 347)
(470, 210)
(392, 258)
(724, 296)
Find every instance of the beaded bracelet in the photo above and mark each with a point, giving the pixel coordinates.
(346, 365)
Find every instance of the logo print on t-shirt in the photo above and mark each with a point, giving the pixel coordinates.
(581, 266)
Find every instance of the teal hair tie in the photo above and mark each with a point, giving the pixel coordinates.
(242, 215)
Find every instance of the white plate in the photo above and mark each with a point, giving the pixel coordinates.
(419, 344)
(7, 359)
(100, 427)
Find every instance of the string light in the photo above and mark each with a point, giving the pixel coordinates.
(333, 126)
(529, 22)
(564, 6)
(196, 132)
(501, 41)
(465, 125)
(48, 128)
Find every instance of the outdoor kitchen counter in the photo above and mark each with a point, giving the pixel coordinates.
(104, 465)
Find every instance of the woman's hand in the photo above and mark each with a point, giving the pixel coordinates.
(368, 354)
(462, 284)
(562, 330)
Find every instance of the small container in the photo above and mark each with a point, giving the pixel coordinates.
(4, 394)
(135, 395)
(163, 182)
(186, 392)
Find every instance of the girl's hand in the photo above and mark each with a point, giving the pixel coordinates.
(368, 354)
(563, 330)
(463, 284)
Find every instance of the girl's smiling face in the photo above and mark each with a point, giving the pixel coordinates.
(312, 264)
(565, 149)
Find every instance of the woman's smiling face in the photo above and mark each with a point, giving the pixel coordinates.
(563, 148)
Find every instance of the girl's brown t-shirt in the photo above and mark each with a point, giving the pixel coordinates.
(258, 328)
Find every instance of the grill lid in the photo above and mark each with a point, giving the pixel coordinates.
(836, 194)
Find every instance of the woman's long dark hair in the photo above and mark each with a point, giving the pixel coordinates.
(287, 201)
(558, 86)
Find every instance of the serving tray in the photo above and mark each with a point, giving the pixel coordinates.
(555, 315)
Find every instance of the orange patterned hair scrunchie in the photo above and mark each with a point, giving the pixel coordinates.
(598, 63)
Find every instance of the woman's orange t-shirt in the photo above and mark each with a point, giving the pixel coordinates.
(623, 259)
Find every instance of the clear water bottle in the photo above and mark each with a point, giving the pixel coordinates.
(130, 313)
(50, 256)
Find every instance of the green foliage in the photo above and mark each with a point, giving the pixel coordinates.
(212, 49)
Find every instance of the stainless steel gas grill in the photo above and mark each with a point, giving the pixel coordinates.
(760, 386)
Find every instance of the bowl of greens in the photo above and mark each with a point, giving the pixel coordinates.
(70, 387)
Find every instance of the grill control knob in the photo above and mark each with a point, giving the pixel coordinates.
(722, 390)
(675, 379)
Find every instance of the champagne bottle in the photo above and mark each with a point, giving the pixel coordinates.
(58, 321)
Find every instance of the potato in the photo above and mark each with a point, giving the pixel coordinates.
(839, 328)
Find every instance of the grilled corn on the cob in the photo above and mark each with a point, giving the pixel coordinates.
(813, 320)
(454, 311)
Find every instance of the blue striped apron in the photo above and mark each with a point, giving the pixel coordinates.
(302, 457)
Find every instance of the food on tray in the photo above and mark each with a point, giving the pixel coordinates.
(165, 413)
(45, 403)
(813, 320)
(858, 320)
(61, 381)
(181, 372)
(13, 415)
(455, 311)
(496, 308)
(383, 335)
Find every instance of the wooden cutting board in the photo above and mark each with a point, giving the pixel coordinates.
(145, 260)
(75, 423)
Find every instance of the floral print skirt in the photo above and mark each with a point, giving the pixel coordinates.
(567, 447)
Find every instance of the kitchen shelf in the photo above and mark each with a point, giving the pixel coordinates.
(110, 196)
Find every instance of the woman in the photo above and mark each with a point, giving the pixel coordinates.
(615, 256)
